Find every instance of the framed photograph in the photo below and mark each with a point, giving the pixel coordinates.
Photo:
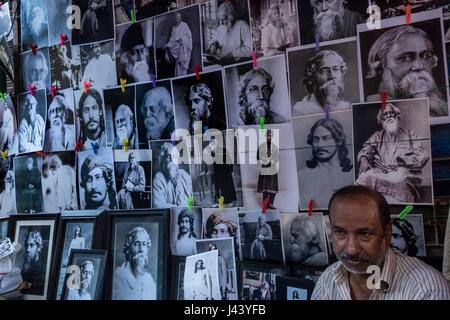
(28, 178)
(35, 70)
(37, 235)
(9, 126)
(91, 265)
(7, 188)
(290, 288)
(177, 265)
(137, 240)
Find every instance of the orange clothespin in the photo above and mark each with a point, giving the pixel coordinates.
(41, 153)
(266, 202)
(87, 85)
(78, 145)
(408, 14)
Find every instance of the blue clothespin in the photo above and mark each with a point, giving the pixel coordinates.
(153, 80)
(172, 137)
(317, 42)
(95, 147)
(327, 112)
(207, 134)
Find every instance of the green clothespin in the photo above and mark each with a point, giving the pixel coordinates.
(405, 211)
(261, 123)
(190, 200)
(133, 18)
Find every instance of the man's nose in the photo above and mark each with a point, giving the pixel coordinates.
(324, 5)
(417, 64)
(353, 246)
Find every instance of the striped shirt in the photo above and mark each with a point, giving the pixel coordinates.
(402, 278)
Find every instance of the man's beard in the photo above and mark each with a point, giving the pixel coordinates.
(56, 126)
(94, 130)
(330, 25)
(138, 70)
(222, 34)
(391, 127)
(38, 83)
(331, 93)
(139, 261)
(154, 128)
(31, 117)
(257, 110)
(36, 26)
(363, 259)
(299, 252)
(85, 284)
(123, 133)
(173, 172)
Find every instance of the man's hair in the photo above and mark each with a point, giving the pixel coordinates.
(202, 265)
(166, 148)
(340, 139)
(85, 263)
(28, 97)
(408, 234)
(30, 57)
(380, 113)
(61, 100)
(98, 98)
(75, 233)
(126, 110)
(227, 8)
(214, 220)
(203, 90)
(313, 64)
(129, 238)
(359, 190)
(92, 162)
(305, 223)
(163, 95)
(379, 50)
(186, 214)
(52, 160)
(36, 237)
(249, 76)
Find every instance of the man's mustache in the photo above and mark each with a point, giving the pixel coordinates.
(94, 192)
(356, 258)
(92, 121)
(322, 150)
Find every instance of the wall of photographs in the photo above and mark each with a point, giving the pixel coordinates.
(101, 106)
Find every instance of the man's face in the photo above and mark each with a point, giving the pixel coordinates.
(56, 114)
(299, 242)
(329, 70)
(30, 108)
(199, 265)
(323, 144)
(124, 126)
(220, 231)
(31, 251)
(139, 250)
(198, 108)
(258, 97)
(96, 186)
(178, 18)
(185, 225)
(325, 5)
(138, 53)
(29, 163)
(390, 119)
(96, 50)
(37, 72)
(132, 160)
(36, 19)
(91, 114)
(87, 272)
(359, 239)
(398, 241)
(154, 109)
(225, 19)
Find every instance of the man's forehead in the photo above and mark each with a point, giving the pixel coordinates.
(89, 102)
(354, 212)
(140, 236)
(195, 95)
(95, 171)
(257, 80)
(410, 43)
(321, 131)
(330, 60)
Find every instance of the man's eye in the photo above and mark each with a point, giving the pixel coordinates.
(405, 58)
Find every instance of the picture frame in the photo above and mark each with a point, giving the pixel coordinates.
(177, 265)
(291, 288)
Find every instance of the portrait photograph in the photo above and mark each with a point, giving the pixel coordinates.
(3, 227)
(9, 139)
(91, 264)
(5, 22)
(135, 56)
(258, 285)
(97, 21)
(201, 277)
(261, 235)
(59, 183)
(274, 26)
(258, 92)
(172, 184)
(133, 171)
(388, 62)
(35, 70)
(98, 64)
(268, 166)
(28, 173)
(154, 112)
(324, 154)
(325, 77)
(57, 20)
(65, 66)
(227, 38)
(226, 266)
(7, 189)
(392, 150)
(96, 180)
(178, 43)
(120, 111)
(177, 264)
(185, 229)
(150, 8)
(408, 235)
(290, 288)
(122, 11)
(60, 131)
(34, 24)
(391, 9)
(304, 239)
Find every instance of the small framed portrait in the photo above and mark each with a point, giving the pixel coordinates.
(8, 190)
(290, 288)
(4, 222)
(177, 265)
(185, 230)
(65, 66)
(37, 235)
(87, 273)
(408, 235)
(98, 64)
(28, 179)
(138, 243)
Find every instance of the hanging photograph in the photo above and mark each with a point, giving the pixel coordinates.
(258, 286)
(122, 11)
(408, 235)
(150, 8)
(389, 9)
(35, 70)
(3, 227)
(5, 22)
(177, 265)
(65, 66)
(185, 229)
(98, 64)
(58, 15)
(290, 288)
(7, 188)
(9, 139)
(28, 173)
(34, 25)
(185, 3)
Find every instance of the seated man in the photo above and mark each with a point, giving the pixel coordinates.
(361, 228)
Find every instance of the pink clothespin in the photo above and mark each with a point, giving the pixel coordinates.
(41, 153)
(63, 37)
(255, 61)
(197, 72)
(383, 99)
(311, 204)
(78, 145)
(32, 89)
(408, 14)
(33, 48)
(53, 89)
(266, 202)
(1, 3)
(87, 85)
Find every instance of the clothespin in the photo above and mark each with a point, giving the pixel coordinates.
(405, 211)
(227, 1)
(311, 204)
(87, 85)
(53, 90)
(261, 123)
(33, 48)
(197, 72)
(78, 145)
(133, 18)
(63, 38)
(383, 99)
(172, 137)
(3, 95)
(408, 14)
(125, 144)
(41, 153)
(266, 202)
(95, 147)
(190, 200)
(207, 133)
(327, 112)
(255, 61)
(221, 200)
(153, 80)
(4, 154)
(317, 42)
(32, 89)
(1, 3)
(123, 82)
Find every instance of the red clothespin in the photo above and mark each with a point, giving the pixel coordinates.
(197, 72)
(78, 145)
(266, 202)
(255, 61)
(87, 85)
(33, 48)
(383, 99)
(53, 89)
(408, 14)
(311, 204)
(1, 3)
(63, 37)
(32, 89)
(41, 153)
(327, 112)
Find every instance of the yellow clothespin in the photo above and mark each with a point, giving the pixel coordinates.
(221, 200)
(123, 82)
(125, 144)
(4, 154)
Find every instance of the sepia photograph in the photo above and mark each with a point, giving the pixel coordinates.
(32, 117)
(201, 277)
(35, 70)
(408, 235)
(34, 24)
(98, 64)
(65, 66)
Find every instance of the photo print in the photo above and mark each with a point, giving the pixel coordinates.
(59, 182)
(35, 70)
(185, 229)
(274, 26)
(392, 150)
(390, 9)
(65, 66)
(184, 3)
(201, 277)
(154, 112)
(133, 172)
(97, 21)
(226, 264)
(27, 173)
(150, 8)
(290, 288)
(304, 239)
(135, 52)
(227, 38)
(258, 285)
(332, 256)
(7, 190)
(261, 235)
(96, 180)
(60, 128)
(178, 43)
(408, 235)
(406, 61)
(258, 92)
(4, 227)
(122, 11)
(57, 20)
(177, 264)
(34, 26)
(5, 22)
(324, 154)
(98, 64)
(120, 111)
(32, 117)
(9, 139)
(325, 77)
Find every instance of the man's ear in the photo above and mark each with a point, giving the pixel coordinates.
(388, 233)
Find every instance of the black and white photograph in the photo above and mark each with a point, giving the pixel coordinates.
(304, 239)
(59, 182)
(290, 288)
(154, 112)
(201, 277)
(35, 70)
(267, 159)
(133, 170)
(227, 38)
(226, 264)
(91, 118)
(200, 100)
(98, 64)
(96, 180)
(332, 256)
(389, 9)
(34, 25)
(36, 238)
(331, 19)
(57, 20)
(172, 184)
(184, 3)
(261, 235)
(122, 11)
(392, 150)
(9, 139)
(325, 77)
(185, 229)
(274, 26)
(177, 264)
(408, 235)
(7, 189)
(120, 111)
(28, 173)
(324, 154)
(5, 22)
(32, 117)
(222, 224)
(258, 92)
(178, 43)
(150, 8)
(135, 56)
(91, 264)
(4, 222)
(406, 61)
(65, 66)
(97, 21)
(60, 128)
(258, 285)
